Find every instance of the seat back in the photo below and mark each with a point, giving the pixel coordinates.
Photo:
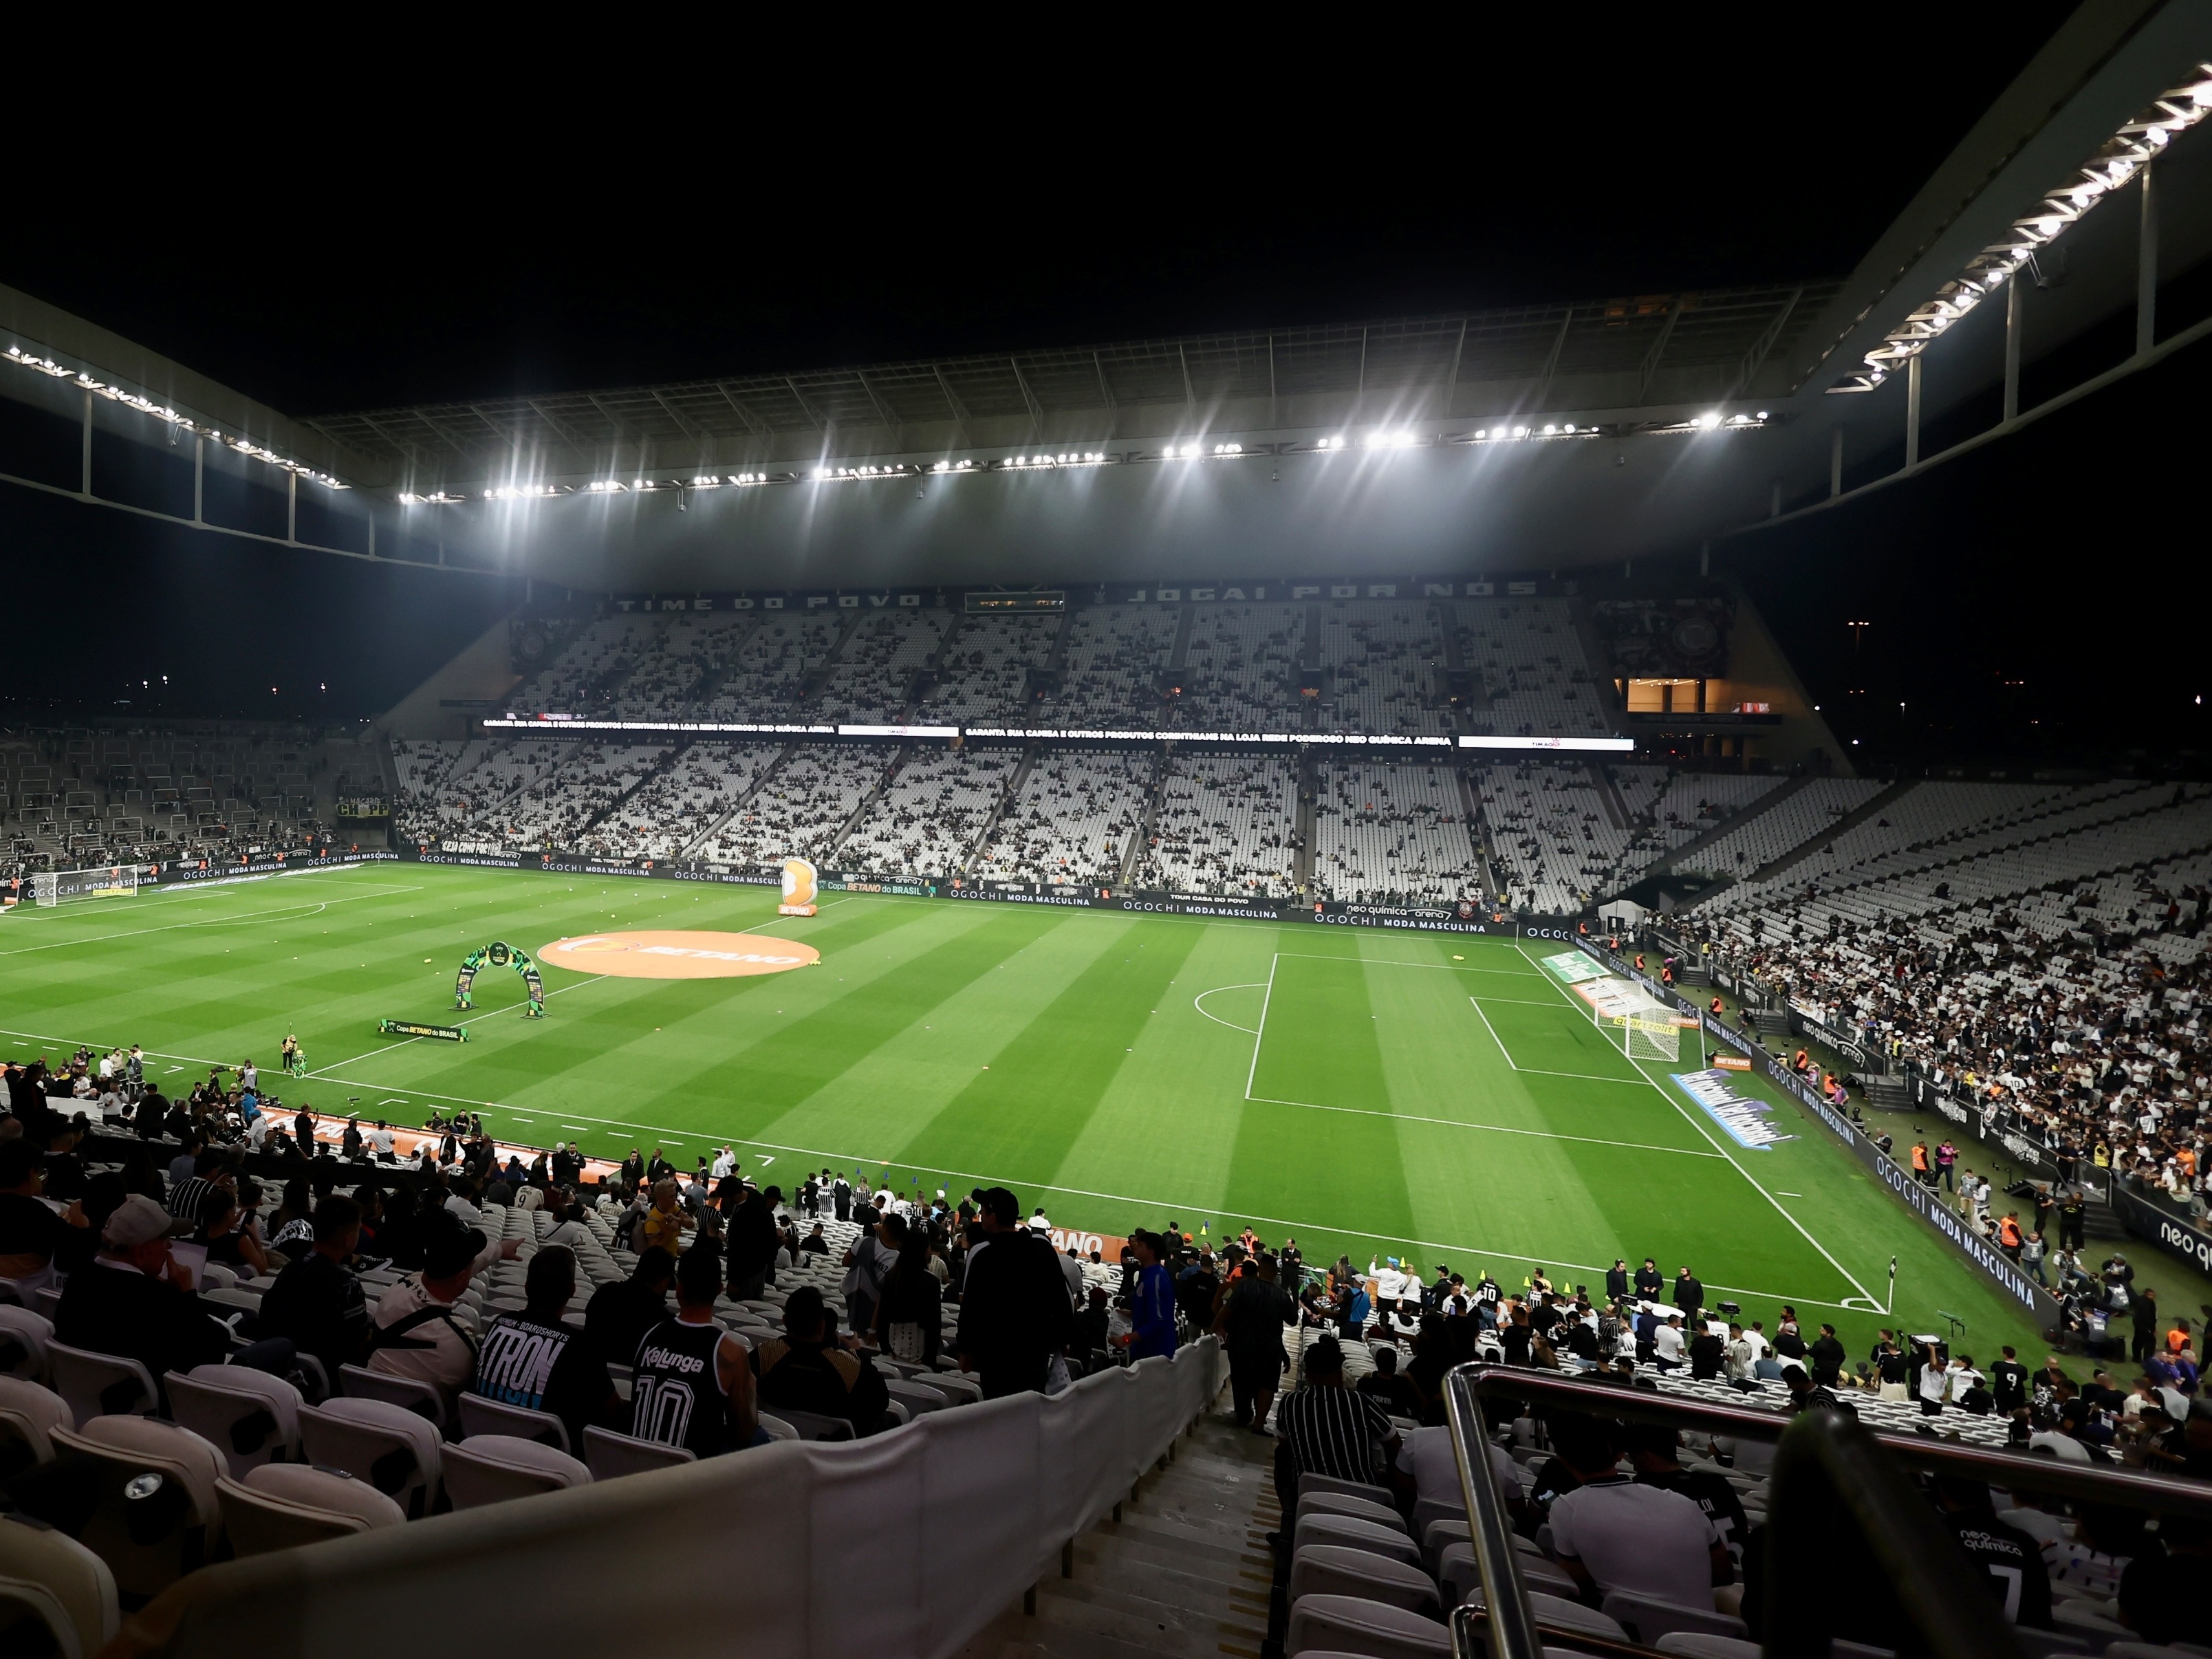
(1332, 1570)
(45, 1300)
(410, 1395)
(490, 1468)
(1646, 1618)
(245, 1425)
(777, 1428)
(258, 1522)
(309, 1487)
(101, 1384)
(1707, 1647)
(812, 1425)
(916, 1397)
(1353, 1534)
(609, 1455)
(1337, 1502)
(1373, 1494)
(24, 1336)
(73, 1578)
(481, 1416)
(154, 1517)
(394, 1449)
(1350, 1623)
(27, 1415)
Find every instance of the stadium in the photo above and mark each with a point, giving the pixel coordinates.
(1512, 977)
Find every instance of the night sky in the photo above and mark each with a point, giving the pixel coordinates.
(553, 243)
(560, 236)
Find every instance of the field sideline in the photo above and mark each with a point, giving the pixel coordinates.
(1381, 1092)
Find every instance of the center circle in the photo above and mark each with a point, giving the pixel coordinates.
(678, 955)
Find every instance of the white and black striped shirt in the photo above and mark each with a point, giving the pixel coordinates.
(1333, 1431)
(186, 1197)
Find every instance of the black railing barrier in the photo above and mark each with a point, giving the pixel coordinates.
(1840, 1496)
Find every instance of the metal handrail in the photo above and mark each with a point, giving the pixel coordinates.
(1838, 1473)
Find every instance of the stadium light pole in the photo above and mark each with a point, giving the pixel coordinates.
(2146, 266)
(2015, 320)
(1912, 411)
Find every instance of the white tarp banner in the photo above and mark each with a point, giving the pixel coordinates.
(908, 1543)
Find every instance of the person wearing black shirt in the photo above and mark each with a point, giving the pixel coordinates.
(809, 1372)
(693, 1384)
(1616, 1281)
(1518, 1335)
(1707, 1354)
(134, 1302)
(633, 1169)
(1648, 1282)
(2162, 1596)
(1652, 1448)
(620, 1314)
(2008, 1383)
(1689, 1294)
(317, 1302)
(1394, 1393)
(1091, 1325)
(1015, 1312)
(31, 1235)
(1827, 1356)
(2013, 1561)
(1250, 1324)
(751, 1244)
(658, 1169)
(538, 1361)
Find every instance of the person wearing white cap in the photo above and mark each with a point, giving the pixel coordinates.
(135, 1301)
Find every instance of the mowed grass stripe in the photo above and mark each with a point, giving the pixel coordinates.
(1031, 1107)
(1320, 1035)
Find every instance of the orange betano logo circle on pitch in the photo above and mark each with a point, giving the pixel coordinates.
(678, 955)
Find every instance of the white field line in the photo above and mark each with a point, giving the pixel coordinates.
(1260, 1035)
(1199, 1003)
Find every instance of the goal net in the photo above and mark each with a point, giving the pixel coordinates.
(1634, 1021)
(62, 886)
(1642, 1036)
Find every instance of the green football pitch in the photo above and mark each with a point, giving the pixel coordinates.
(1436, 1098)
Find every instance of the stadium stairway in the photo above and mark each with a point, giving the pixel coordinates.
(1873, 809)
(1182, 1569)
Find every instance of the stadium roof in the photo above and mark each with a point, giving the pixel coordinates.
(1627, 353)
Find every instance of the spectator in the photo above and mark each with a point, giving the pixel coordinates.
(538, 1361)
(814, 1244)
(32, 1233)
(1805, 1395)
(135, 1301)
(2013, 1562)
(869, 1262)
(619, 1315)
(1612, 1534)
(227, 1235)
(1014, 1311)
(1689, 1293)
(1386, 1388)
(317, 1303)
(1827, 1356)
(416, 1335)
(665, 1224)
(1654, 1450)
(908, 1315)
(1668, 1347)
(1427, 1456)
(694, 1383)
(1708, 1351)
(1250, 1325)
(1328, 1429)
(1151, 1304)
(752, 1242)
(2162, 1595)
(809, 1372)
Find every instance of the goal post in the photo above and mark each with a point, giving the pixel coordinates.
(66, 886)
(1647, 1037)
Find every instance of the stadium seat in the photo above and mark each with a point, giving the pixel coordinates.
(811, 1425)
(2045, 1644)
(1646, 1618)
(76, 1595)
(1696, 1646)
(1427, 1510)
(100, 1384)
(421, 1398)
(1352, 1624)
(157, 1515)
(1460, 1576)
(391, 1448)
(1561, 1613)
(481, 1416)
(1372, 1493)
(2080, 1616)
(917, 1397)
(24, 1337)
(1439, 1536)
(1333, 1570)
(1345, 1530)
(249, 1416)
(28, 1416)
(45, 1300)
(490, 1468)
(777, 1428)
(279, 1506)
(609, 1455)
(1337, 1502)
